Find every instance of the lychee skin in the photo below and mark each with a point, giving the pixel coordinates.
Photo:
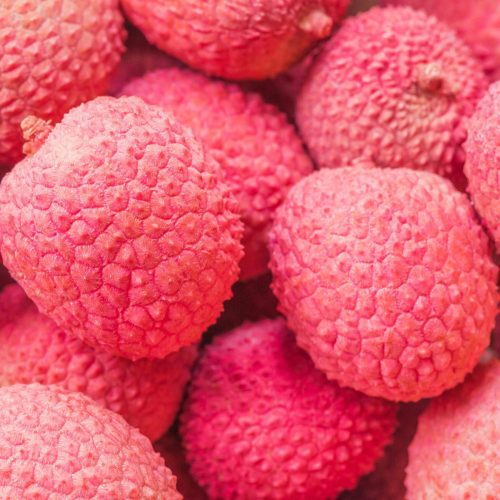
(57, 444)
(386, 278)
(53, 56)
(476, 21)
(393, 86)
(121, 231)
(455, 451)
(261, 422)
(259, 151)
(147, 393)
(482, 165)
(236, 39)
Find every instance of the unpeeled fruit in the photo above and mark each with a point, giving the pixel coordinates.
(261, 422)
(120, 229)
(147, 393)
(236, 39)
(54, 55)
(455, 451)
(386, 278)
(57, 444)
(259, 152)
(394, 87)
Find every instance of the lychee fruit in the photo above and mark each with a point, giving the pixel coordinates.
(455, 451)
(236, 39)
(476, 21)
(120, 229)
(261, 422)
(393, 86)
(58, 444)
(482, 164)
(53, 55)
(147, 393)
(260, 153)
(386, 278)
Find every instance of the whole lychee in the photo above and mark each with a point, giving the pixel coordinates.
(476, 21)
(386, 278)
(393, 86)
(147, 393)
(53, 55)
(236, 39)
(120, 229)
(258, 150)
(261, 422)
(455, 451)
(58, 444)
(482, 164)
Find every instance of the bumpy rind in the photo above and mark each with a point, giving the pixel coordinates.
(393, 86)
(455, 451)
(120, 229)
(257, 148)
(57, 444)
(261, 422)
(236, 39)
(53, 56)
(477, 22)
(386, 278)
(482, 165)
(147, 393)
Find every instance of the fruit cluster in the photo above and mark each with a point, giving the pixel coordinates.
(249, 249)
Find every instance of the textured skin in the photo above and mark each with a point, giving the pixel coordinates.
(54, 54)
(258, 150)
(169, 447)
(236, 39)
(261, 422)
(386, 278)
(393, 86)
(482, 165)
(455, 451)
(55, 444)
(476, 21)
(147, 393)
(120, 229)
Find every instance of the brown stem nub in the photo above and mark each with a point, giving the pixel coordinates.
(430, 78)
(35, 131)
(317, 23)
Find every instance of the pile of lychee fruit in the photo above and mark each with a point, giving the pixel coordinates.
(249, 249)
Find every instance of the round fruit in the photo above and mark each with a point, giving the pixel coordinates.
(258, 150)
(120, 229)
(386, 278)
(53, 55)
(455, 451)
(147, 393)
(482, 165)
(236, 39)
(57, 444)
(394, 87)
(261, 422)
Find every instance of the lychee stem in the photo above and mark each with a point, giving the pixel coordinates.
(35, 132)
(316, 23)
(430, 77)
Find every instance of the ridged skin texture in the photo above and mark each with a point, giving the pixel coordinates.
(393, 86)
(476, 21)
(482, 165)
(120, 229)
(386, 278)
(55, 444)
(258, 150)
(455, 451)
(261, 422)
(54, 54)
(147, 393)
(236, 39)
